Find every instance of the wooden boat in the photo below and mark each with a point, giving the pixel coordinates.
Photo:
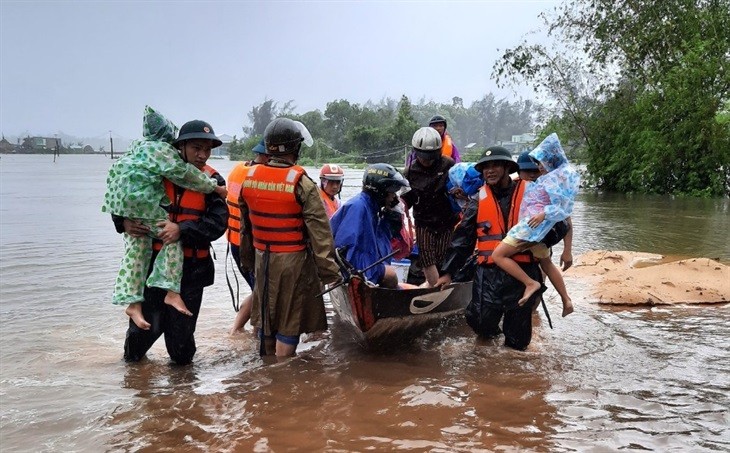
(378, 314)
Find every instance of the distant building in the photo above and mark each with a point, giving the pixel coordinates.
(81, 149)
(6, 147)
(524, 138)
(521, 143)
(512, 147)
(40, 144)
(223, 149)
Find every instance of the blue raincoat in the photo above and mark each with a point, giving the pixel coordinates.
(465, 176)
(554, 192)
(358, 226)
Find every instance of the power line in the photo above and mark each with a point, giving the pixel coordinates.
(369, 154)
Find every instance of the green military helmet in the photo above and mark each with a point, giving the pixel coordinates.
(197, 129)
(500, 154)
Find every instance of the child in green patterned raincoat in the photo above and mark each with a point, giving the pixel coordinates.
(135, 191)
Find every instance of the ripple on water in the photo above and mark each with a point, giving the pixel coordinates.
(604, 379)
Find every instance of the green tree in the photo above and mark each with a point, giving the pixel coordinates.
(261, 115)
(240, 149)
(642, 83)
(381, 131)
(401, 130)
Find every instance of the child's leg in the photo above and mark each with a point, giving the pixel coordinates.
(134, 311)
(167, 273)
(501, 257)
(556, 278)
(431, 274)
(129, 286)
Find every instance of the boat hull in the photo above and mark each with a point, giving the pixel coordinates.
(377, 313)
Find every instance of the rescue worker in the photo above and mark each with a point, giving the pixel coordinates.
(331, 178)
(448, 148)
(527, 168)
(364, 226)
(432, 211)
(195, 220)
(286, 238)
(486, 220)
(235, 179)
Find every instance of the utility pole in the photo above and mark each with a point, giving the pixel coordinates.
(56, 151)
(111, 145)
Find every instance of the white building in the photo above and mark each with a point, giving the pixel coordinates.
(526, 138)
(223, 149)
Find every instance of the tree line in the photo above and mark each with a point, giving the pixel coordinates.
(638, 90)
(381, 132)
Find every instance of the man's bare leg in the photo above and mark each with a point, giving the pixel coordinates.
(285, 351)
(134, 311)
(432, 276)
(243, 315)
(173, 299)
(501, 257)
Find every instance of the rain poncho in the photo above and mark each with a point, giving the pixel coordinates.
(134, 184)
(358, 226)
(135, 191)
(463, 175)
(554, 192)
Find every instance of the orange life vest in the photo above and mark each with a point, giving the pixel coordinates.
(186, 205)
(276, 215)
(330, 205)
(447, 146)
(235, 179)
(490, 224)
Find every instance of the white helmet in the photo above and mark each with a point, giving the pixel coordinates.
(426, 139)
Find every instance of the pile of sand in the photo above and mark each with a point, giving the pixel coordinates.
(632, 278)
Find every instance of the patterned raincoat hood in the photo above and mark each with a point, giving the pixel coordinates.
(553, 193)
(156, 127)
(550, 153)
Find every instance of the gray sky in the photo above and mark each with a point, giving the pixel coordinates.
(87, 67)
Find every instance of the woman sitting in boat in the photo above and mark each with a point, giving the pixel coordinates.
(362, 226)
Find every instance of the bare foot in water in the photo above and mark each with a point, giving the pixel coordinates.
(567, 307)
(134, 311)
(174, 299)
(530, 289)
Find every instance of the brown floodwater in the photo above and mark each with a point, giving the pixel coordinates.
(604, 379)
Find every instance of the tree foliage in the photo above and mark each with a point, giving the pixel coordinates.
(261, 115)
(241, 149)
(381, 131)
(642, 86)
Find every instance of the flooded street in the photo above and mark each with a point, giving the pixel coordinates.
(604, 379)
